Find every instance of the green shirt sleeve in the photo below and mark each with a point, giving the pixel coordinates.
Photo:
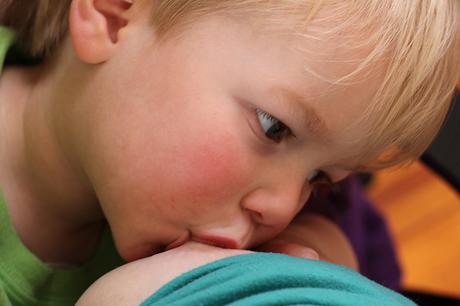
(27, 281)
(6, 39)
(273, 279)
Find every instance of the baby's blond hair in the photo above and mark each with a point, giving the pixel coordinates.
(418, 41)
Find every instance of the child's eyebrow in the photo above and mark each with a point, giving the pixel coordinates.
(299, 107)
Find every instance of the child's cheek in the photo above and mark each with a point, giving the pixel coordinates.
(215, 167)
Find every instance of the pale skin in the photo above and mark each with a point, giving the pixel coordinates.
(166, 141)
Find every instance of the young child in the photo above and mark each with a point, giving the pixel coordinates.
(199, 120)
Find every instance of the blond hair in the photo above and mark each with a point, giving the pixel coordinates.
(417, 39)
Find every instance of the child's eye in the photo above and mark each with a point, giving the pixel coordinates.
(273, 128)
(319, 177)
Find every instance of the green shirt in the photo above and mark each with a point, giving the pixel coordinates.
(6, 39)
(24, 279)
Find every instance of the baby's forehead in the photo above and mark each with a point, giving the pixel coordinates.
(348, 124)
(336, 76)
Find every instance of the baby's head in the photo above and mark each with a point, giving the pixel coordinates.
(214, 119)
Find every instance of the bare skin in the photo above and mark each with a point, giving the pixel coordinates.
(116, 287)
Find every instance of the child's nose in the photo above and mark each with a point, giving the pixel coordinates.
(275, 206)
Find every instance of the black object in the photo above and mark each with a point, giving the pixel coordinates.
(426, 299)
(14, 56)
(443, 156)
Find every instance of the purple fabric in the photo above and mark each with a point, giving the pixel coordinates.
(366, 229)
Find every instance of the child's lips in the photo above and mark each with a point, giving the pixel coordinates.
(218, 241)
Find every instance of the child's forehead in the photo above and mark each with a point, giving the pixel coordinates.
(331, 74)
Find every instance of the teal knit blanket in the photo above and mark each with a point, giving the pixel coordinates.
(272, 279)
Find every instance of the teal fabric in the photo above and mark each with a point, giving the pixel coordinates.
(272, 279)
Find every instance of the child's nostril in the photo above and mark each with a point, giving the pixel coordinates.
(257, 216)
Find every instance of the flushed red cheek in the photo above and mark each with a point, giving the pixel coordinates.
(214, 169)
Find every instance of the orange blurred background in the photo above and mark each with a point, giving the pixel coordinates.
(423, 214)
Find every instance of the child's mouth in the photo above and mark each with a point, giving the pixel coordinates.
(217, 241)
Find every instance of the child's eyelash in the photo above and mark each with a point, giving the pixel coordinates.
(274, 129)
(266, 115)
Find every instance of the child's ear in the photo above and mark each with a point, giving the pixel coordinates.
(94, 26)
